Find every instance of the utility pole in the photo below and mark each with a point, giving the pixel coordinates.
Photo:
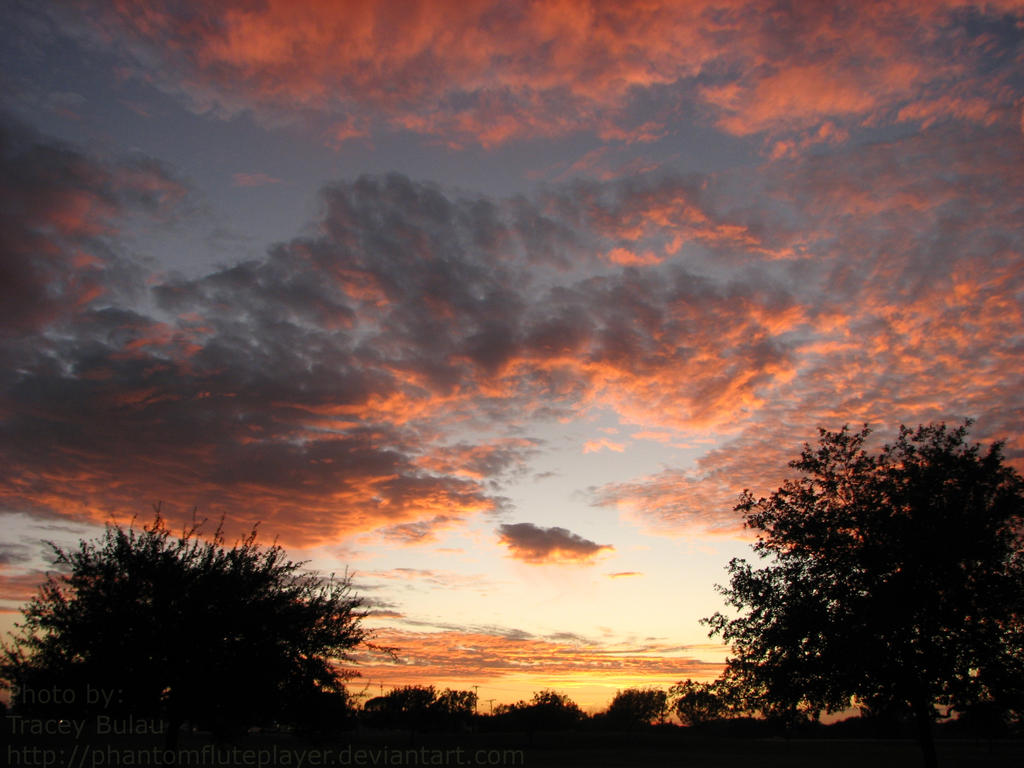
(476, 697)
(490, 706)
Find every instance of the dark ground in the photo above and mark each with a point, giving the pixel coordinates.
(675, 749)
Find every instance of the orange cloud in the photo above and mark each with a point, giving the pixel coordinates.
(518, 660)
(486, 72)
(328, 440)
(603, 444)
(481, 461)
(675, 503)
(61, 213)
(320, 388)
(503, 63)
(626, 258)
(420, 531)
(17, 589)
(899, 324)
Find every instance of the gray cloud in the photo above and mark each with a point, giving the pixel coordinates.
(14, 554)
(59, 214)
(319, 386)
(534, 544)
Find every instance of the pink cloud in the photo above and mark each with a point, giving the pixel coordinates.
(488, 73)
(626, 258)
(902, 305)
(603, 444)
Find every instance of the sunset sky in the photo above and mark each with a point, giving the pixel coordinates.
(499, 305)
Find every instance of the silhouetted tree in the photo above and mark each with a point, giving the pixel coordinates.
(895, 580)
(698, 703)
(407, 707)
(636, 708)
(420, 708)
(184, 628)
(454, 708)
(547, 711)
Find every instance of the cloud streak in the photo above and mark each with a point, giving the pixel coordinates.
(462, 655)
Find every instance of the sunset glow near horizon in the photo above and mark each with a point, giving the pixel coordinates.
(497, 305)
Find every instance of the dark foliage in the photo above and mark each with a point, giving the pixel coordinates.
(546, 711)
(698, 703)
(635, 708)
(894, 581)
(421, 708)
(183, 628)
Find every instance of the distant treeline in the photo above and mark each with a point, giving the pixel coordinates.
(706, 708)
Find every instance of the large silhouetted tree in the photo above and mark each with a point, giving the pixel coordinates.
(894, 580)
(184, 628)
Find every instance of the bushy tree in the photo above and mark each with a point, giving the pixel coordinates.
(184, 628)
(455, 708)
(637, 707)
(895, 580)
(407, 707)
(547, 710)
(696, 703)
(421, 708)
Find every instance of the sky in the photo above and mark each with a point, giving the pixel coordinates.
(495, 306)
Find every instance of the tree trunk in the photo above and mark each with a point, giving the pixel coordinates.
(925, 734)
